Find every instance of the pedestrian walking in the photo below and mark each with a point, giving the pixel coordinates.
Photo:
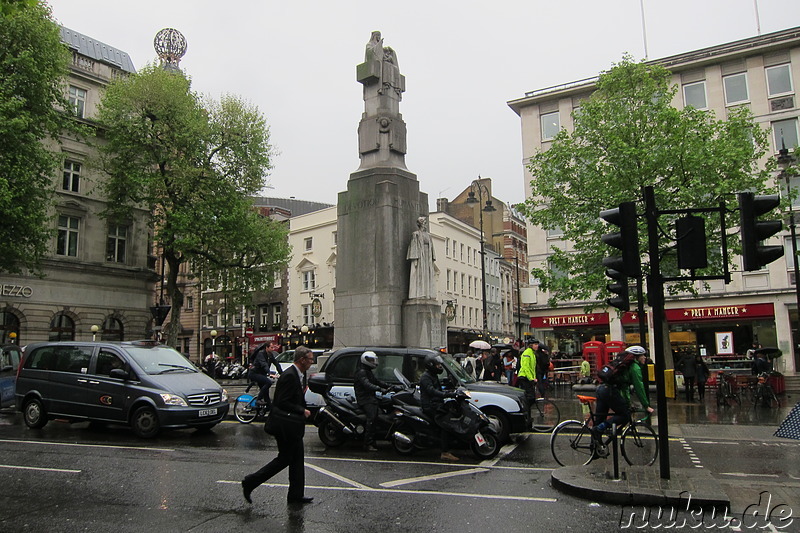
(509, 366)
(688, 366)
(701, 376)
(287, 423)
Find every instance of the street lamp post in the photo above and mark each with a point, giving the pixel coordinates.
(476, 185)
(785, 160)
(304, 331)
(213, 334)
(95, 329)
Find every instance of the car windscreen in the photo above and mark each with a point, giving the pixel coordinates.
(160, 360)
(456, 368)
(286, 357)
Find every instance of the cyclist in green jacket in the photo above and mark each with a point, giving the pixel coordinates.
(526, 377)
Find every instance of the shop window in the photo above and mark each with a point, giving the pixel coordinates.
(62, 328)
(9, 323)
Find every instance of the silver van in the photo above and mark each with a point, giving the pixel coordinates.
(143, 384)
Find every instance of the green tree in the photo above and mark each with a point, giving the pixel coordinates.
(194, 164)
(627, 135)
(33, 66)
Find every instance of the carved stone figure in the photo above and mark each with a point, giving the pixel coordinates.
(422, 282)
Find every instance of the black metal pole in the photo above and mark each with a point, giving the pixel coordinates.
(641, 312)
(656, 295)
(518, 314)
(483, 265)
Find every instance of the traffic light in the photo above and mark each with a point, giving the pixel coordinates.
(754, 254)
(619, 287)
(626, 240)
(691, 237)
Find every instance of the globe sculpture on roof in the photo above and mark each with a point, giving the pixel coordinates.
(170, 45)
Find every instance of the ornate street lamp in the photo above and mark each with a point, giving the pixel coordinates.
(95, 328)
(213, 334)
(785, 160)
(304, 331)
(476, 185)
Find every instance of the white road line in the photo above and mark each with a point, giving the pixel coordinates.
(16, 467)
(505, 450)
(443, 475)
(72, 444)
(336, 476)
(715, 442)
(425, 493)
(433, 463)
(744, 474)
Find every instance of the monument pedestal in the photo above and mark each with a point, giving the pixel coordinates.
(424, 324)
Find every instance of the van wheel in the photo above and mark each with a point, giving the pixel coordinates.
(145, 422)
(34, 414)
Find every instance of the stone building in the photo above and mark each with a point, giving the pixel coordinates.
(760, 73)
(98, 274)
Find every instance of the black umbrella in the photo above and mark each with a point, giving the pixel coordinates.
(770, 352)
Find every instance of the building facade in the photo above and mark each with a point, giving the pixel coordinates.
(98, 279)
(757, 307)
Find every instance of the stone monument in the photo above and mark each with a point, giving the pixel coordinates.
(378, 223)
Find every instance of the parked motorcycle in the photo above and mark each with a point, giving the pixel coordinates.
(464, 422)
(341, 419)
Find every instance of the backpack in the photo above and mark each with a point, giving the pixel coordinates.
(612, 372)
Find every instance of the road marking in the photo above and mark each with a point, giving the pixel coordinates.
(337, 476)
(693, 456)
(443, 475)
(15, 467)
(744, 474)
(425, 493)
(72, 444)
(505, 450)
(432, 463)
(715, 442)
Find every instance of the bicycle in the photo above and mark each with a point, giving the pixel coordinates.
(246, 407)
(544, 415)
(727, 389)
(763, 393)
(572, 444)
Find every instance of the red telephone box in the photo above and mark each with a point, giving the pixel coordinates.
(593, 351)
(612, 348)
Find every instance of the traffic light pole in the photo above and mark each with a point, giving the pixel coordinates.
(655, 294)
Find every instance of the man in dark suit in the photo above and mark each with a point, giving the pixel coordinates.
(288, 423)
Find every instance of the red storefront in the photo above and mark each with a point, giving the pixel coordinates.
(566, 334)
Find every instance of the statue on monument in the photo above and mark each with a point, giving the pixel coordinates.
(422, 282)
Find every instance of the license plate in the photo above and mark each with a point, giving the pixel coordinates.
(479, 439)
(207, 412)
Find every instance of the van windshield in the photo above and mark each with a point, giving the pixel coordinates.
(456, 368)
(160, 360)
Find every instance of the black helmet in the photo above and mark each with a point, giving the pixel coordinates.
(434, 363)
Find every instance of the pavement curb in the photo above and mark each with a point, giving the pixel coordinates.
(642, 486)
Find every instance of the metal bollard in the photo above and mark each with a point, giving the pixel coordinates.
(616, 450)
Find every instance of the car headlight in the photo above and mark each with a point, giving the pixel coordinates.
(224, 396)
(174, 399)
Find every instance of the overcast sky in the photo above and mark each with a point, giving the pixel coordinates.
(462, 59)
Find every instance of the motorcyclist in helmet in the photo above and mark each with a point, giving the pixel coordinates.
(366, 385)
(432, 399)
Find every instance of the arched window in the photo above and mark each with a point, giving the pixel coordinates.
(112, 330)
(9, 323)
(62, 328)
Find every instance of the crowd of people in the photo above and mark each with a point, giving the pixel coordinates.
(526, 367)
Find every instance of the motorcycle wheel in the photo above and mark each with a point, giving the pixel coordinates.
(404, 448)
(330, 435)
(488, 450)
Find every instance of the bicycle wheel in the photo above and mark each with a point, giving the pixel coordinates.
(639, 444)
(571, 444)
(544, 415)
(244, 410)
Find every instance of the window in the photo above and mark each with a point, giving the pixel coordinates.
(72, 176)
(116, 243)
(448, 279)
(447, 247)
(555, 232)
(309, 280)
(276, 283)
(469, 254)
(62, 328)
(189, 303)
(779, 80)
(455, 247)
(9, 323)
(736, 88)
(694, 95)
(277, 314)
(308, 242)
(462, 284)
(785, 133)
(106, 362)
(112, 330)
(77, 99)
(308, 318)
(462, 252)
(67, 242)
(788, 253)
(551, 123)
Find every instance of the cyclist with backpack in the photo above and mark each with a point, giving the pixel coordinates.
(613, 392)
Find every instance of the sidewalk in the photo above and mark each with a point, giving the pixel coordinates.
(643, 486)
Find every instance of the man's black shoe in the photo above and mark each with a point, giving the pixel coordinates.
(246, 490)
(304, 499)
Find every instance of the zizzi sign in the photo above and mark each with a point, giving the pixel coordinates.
(20, 291)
